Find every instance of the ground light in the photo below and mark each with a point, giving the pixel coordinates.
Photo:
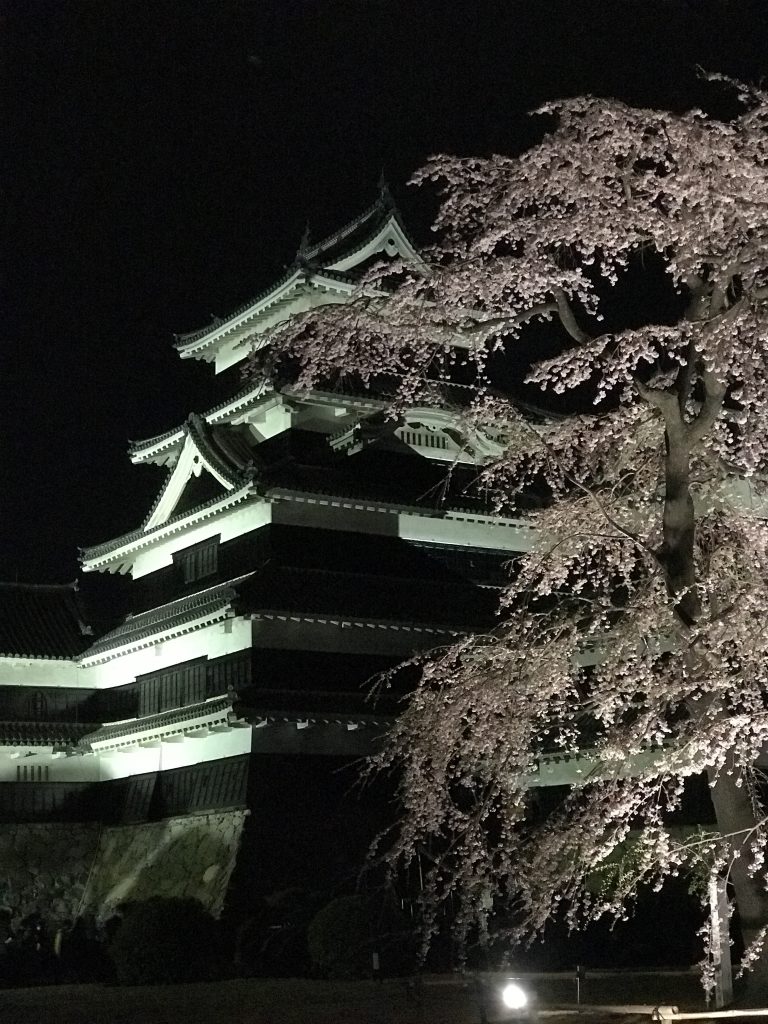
(514, 996)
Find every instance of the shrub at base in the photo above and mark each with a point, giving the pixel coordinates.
(343, 936)
(164, 941)
(338, 938)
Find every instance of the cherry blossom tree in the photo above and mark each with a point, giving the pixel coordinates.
(633, 633)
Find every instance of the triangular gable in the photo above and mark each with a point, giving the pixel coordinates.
(265, 412)
(164, 449)
(196, 457)
(390, 239)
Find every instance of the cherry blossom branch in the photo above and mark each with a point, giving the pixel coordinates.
(560, 306)
(512, 320)
(634, 538)
(714, 395)
(568, 319)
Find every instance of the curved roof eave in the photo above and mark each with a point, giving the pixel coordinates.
(189, 345)
(328, 257)
(127, 546)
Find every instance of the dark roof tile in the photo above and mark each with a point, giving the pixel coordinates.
(41, 621)
(58, 735)
(177, 716)
(147, 624)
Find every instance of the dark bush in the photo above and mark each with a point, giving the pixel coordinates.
(345, 934)
(271, 941)
(338, 938)
(162, 941)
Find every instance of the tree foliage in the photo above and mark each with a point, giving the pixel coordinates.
(637, 621)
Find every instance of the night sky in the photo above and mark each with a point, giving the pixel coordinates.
(161, 159)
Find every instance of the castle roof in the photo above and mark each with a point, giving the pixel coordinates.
(320, 271)
(58, 735)
(128, 545)
(166, 445)
(256, 401)
(177, 616)
(41, 621)
(184, 716)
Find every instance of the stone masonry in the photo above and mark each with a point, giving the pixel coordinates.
(62, 870)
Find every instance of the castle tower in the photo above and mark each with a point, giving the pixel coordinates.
(299, 545)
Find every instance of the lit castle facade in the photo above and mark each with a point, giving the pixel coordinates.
(294, 550)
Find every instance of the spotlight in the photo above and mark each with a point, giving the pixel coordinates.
(513, 996)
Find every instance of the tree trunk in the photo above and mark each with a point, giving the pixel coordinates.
(733, 807)
(735, 814)
(676, 553)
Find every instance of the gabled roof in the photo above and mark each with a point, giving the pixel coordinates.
(377, 229)
(41, 621)
(122, 550)
(323, 272)
(217, 449)
(261, 405)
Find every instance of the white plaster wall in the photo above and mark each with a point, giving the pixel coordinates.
(741, 493)
(39, 672)
(268, 423)
(212, 641)
(229, 524)
(466, 533)
(78, 768)
(179, 752)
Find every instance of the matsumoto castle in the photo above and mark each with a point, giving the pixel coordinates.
(298, 546)
(294, 550)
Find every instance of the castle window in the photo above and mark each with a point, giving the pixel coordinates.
(32, 773)
(173, 687)
(198, 561)
(38, 706)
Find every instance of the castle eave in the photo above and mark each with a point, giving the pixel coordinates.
(178, 722)
(121, 550)
(173, 619)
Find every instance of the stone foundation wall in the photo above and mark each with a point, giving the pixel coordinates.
(190, 856)
(60, 870)
(44, 869)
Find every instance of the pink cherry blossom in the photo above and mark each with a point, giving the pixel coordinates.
(635, 635)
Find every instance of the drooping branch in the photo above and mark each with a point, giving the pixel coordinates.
(684, 181)
(512, 320)
(568, 319)
(560, 306)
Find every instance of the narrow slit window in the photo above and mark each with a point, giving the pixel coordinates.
(198, 562)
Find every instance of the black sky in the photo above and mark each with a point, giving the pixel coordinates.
(160, 161)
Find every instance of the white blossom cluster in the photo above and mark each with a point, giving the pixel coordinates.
(638, 622)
